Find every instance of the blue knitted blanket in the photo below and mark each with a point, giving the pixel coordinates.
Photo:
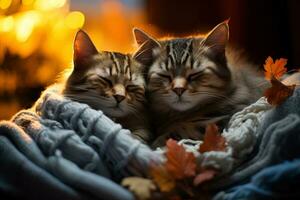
(63, 149)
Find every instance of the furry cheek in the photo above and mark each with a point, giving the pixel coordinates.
(129, 98)
(109, 93)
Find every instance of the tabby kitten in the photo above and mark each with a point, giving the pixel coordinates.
(110, 82)
(195, 81)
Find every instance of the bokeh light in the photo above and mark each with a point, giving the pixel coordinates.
(27, 2)
(4, 4)
(36, 38)
(75, 20)
(7, 24)
(26, 24)
(49, 4)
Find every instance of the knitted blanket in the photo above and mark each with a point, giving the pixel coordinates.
(61, 148)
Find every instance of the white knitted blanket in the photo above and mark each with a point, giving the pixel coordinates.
(240, 136)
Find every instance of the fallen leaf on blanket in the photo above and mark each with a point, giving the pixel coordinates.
(278, 92)
(141, 187)
(180, 163)
(213, 140)
(276, 69)
(204, 175)
(162, 178)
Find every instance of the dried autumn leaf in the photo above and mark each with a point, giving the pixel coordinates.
(180, 164)
(278, 92)
(213, 140)
(162, 178)
(276, 69)
(204, 175)
(141, 187)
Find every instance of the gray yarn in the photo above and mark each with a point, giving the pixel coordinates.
(17, 169)
(53, 139)
(76, 139)
(278, 141)
(270, 153)
(123, 154)
(66, 156)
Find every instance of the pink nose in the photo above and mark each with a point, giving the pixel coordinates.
(179, 90)
(119, 98)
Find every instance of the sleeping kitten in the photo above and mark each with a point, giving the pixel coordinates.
(110, 82)
(195, 81)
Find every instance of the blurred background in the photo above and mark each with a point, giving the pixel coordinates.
(36, 35)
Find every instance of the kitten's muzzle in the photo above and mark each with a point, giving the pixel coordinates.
(119, 92)
(179, 91)
(179, 85)
(119, 98)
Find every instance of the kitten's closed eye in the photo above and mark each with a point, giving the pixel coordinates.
(166, 76)
(132, 88)
(94, 82)
(109, 82)
(194, 76)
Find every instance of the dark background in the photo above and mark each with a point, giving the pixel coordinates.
(261, 28)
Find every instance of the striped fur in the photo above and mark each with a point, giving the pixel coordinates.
(111, 82)
(194, 81)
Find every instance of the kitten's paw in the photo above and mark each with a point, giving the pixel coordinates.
(141, 187)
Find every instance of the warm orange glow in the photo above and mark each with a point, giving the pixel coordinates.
(8, 109)
(8, 82)
(111, 30)
(36, 38)
(26, 24)
(49, 4)
(7, 24)
(27, 2)
(4, 4)
(75, 20)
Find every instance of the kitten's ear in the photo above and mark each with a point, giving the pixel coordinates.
(83, 50)
(218, 37)
(146, 43)
(141, 37)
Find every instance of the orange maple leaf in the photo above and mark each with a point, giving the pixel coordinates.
(180, 164)
(204, 175)
(162, 178)
(276, 69)
(278, 92)
(213, 140)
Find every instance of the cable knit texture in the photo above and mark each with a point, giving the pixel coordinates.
(115, 145)
(98, 130)
(80, 149)
(240, 136)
